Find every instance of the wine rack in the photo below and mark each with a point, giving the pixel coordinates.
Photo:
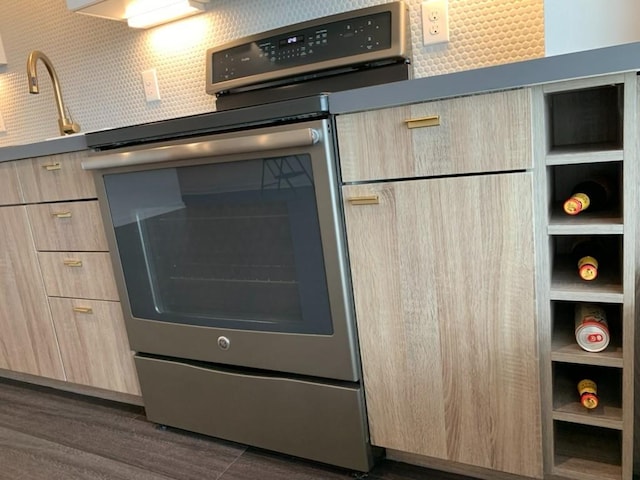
(584, 129)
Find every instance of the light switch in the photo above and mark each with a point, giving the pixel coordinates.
(150, 84)
(3, 56)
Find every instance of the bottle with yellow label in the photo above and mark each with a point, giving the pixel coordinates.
(591, 194)
(588, 391)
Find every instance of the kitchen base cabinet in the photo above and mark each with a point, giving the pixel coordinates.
(27, 338)
(54, 260)
(443, 280)
(93, 343)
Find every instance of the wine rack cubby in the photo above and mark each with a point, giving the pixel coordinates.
(587, 452)
(564, 347)
(586, 130)
(586, 119)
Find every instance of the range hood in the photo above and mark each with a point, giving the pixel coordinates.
(139, 13)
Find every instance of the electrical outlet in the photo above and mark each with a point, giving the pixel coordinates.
(435, 21)
(150, 85)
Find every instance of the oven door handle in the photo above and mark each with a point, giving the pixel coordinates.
(211, 148)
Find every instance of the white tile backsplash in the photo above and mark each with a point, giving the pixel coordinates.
(99, 62)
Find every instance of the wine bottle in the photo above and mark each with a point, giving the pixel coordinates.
(588, 391)
(590, 194)
(588, 253)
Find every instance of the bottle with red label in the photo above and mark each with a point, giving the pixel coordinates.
(592, 194)
(588, 255)
(588, 391)
(591, 327)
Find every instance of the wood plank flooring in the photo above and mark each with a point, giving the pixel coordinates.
(46, 434)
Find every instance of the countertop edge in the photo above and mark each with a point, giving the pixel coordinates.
(589, 63)
(46, 147)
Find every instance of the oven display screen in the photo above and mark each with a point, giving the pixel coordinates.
(294, 40)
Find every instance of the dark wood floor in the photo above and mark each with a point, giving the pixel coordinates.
(50, 435)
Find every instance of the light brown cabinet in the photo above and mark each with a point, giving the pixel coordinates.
(27, 338)
(78, 274)
(93, 343)
(69, 226)
(443, 281)
(10, 193)
(60, 316)
(482, 133)
(55, 178)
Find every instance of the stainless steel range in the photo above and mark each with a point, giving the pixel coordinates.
(226, 232)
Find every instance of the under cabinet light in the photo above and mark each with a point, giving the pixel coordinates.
(150, 14)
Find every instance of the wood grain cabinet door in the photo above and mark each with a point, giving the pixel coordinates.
(70, 226)
(443, 278)
(9, 186)
(78, 275)
(481, 133)
(94, 344)
(55, 178)
(27, 338)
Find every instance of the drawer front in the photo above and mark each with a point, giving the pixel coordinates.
(483, 133)
(74, 227)
(93, 344)
(55, 178)
(9, 187)
(78, 275)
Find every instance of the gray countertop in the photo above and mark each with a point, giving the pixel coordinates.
(70, 143)
(621, 58)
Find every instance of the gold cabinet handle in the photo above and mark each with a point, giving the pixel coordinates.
(52, 166)
(83, 310)
(429, 121)
(364, 200)
(72, 262)
(66, 214)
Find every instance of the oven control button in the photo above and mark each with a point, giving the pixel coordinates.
(224, 343)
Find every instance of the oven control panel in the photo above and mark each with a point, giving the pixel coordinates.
(344, 40)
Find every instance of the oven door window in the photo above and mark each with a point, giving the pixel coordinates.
(234, 245)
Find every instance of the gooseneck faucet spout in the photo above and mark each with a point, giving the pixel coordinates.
(66, 125)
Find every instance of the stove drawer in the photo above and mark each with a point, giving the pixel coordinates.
(319, 421)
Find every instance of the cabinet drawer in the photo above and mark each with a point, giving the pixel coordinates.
(482, 133)
(55, 178)
(78, 275)
(74, 226)
(9, 186)
(93, 344)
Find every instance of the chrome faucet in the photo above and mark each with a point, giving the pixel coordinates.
(66, 125)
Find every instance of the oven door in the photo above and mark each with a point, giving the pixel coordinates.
(229, 249)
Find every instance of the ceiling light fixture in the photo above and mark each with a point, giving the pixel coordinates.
(154, 13)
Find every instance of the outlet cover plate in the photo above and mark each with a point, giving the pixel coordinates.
(435, 22)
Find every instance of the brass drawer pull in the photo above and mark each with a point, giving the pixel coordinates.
(72, 263)
(83, 309)
(430, 121)
(364, 200)
(62, 214)
(52, 166)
